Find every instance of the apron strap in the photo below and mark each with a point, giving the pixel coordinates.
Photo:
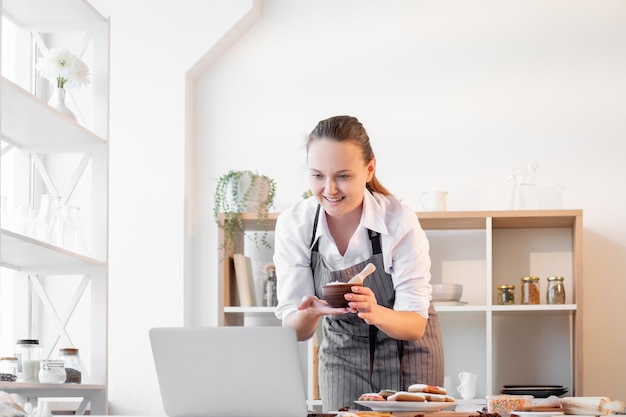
(317, 216)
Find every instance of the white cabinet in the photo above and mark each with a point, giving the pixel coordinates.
(503, 344)
(49, 292)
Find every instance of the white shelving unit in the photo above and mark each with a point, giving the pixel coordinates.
(58, 296)
(503, 345)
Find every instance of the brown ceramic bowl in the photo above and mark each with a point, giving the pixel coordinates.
(333, 294)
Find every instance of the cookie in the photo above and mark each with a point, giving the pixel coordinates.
(371, 396)
(387, 392)
(407, 396)
(433, 389)
(439, 398)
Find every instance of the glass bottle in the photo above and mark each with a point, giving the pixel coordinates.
(555, 293)
(72, 230)
(270, 297)
(28, 354)
(506, 294)
(52, 372)
(71, 359)
(8, 369)
(530, 290)
(45, 228)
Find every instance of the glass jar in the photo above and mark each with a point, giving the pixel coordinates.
(52, 371)
(270, 298)
(73, 371)
(28, 354)
(530, 290)
(506, 294)
(47, 228)
(8, 369)
(555, 293)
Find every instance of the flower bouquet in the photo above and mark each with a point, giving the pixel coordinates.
(64, 70)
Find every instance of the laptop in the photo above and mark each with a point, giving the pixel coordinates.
(229, 371)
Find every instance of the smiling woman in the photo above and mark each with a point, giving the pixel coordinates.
(350, 222)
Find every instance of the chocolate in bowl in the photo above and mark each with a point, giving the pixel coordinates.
(333, 293)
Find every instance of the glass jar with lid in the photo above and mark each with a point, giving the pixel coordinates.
(506, 294)
(52, 371)
(8, 369)
(555, 293)
(28, 354)
(530, 290)
(73, 371)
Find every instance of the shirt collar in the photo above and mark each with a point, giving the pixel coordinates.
(373, 217)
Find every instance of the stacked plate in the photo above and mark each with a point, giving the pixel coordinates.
(537, 391)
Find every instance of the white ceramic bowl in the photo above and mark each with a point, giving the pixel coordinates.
(447, 292)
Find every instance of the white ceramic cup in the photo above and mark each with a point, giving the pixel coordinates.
(467, 385)
(434, 200)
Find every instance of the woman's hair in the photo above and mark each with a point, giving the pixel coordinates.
(348, 129)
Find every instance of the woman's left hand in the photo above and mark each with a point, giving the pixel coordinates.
(363, 302)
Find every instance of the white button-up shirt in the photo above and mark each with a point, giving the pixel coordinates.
(404, 244)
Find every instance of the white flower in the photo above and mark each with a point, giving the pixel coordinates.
(63, 69)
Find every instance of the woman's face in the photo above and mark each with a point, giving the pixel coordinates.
(338, 175)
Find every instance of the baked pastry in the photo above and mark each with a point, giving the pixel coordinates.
(407, 396)
(439, 398)
(386, 393)
(433, 389)
(371, 396)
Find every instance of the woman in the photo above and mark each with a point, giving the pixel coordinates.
(389, 336)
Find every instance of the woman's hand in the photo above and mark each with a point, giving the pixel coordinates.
(363, 302)
(401, 325)
(320, 307)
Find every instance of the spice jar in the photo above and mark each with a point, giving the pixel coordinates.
(52, 372)
(270, 298)
(8, 369)
(28, 354)
(506, 294)
(556, 291)
(530, 290)
(70, 358)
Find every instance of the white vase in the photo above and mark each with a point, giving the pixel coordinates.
(57, 101)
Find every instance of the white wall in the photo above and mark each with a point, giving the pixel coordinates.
(454, 95)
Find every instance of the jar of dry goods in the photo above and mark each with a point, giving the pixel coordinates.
(8, 369)
(28, 354)
(52, 371)
(70, 358)
(555, 293)
(506, 294)
(530, 290)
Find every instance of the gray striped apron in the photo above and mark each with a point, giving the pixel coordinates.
(354, 357)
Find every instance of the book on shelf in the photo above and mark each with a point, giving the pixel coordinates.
(245, 280)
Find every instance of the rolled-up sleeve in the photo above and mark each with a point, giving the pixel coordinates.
(292, 257)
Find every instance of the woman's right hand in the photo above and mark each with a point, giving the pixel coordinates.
(320, 307)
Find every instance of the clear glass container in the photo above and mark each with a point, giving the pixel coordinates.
(555, 294)
(270, 297)
(47, 228)
(506, 294)
(8, 369)
(52, 371)
(73, 370)
(28, 354)
(72, 230)
(530, 290)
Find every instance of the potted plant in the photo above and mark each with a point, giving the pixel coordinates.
(239, 192)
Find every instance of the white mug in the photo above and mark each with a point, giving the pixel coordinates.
(434, 200)
(467, 386)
